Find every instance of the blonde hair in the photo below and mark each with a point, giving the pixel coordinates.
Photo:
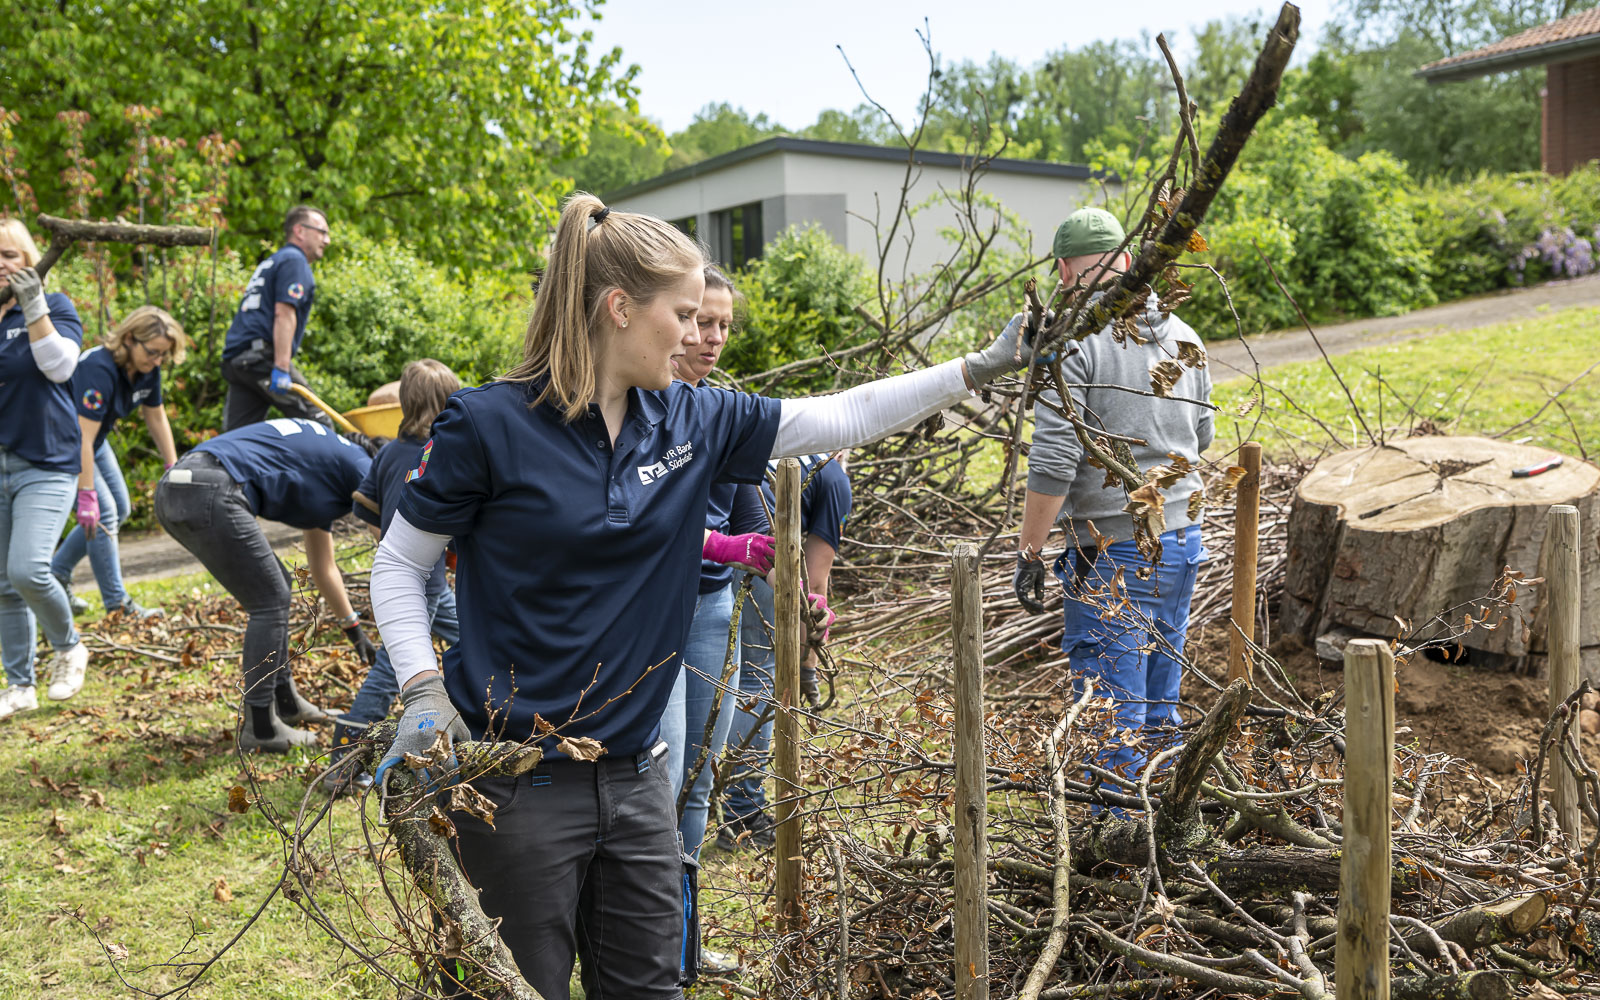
(16, 232)
(425, 387)
(595, 251)
(143, 325)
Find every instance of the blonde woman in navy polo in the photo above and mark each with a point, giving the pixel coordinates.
(575, 490)
(40, 337)
(111, 381)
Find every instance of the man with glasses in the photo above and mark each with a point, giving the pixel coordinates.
(258, 355)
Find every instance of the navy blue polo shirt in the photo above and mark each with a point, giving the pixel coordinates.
(102, 390)
(283, 277)
(385, 479)
(577, 559)
(40, 425)
(825, 502)
(296, 472)
(714, 575)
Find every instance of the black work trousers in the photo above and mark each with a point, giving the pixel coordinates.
(583, 859)
(201, 507)
(249, 374)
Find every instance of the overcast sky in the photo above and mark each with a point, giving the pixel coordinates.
(782, 58)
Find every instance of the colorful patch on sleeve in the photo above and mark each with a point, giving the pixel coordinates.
(422, 467)
(297, 291)
(93, 400)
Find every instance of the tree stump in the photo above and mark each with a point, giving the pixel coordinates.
(1423, 527)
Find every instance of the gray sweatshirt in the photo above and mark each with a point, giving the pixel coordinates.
(1056, 461)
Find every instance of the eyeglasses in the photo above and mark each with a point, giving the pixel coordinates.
(153, 355)
(314, 229)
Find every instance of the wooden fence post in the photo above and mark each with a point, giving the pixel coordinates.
(1246, 524)
(971, 813)
(1564, 596)
(787, 646)
(1361, 953)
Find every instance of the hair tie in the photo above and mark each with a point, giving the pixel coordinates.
(599, 217)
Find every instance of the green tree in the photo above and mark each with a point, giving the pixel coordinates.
(623, 149)
(718, 129)
(1225, 52)
(439, 124)
(865, 124)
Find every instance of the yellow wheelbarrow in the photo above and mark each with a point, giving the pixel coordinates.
(373, 421)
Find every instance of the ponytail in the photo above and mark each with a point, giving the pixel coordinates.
(595, 251)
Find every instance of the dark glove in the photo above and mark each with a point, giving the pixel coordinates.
(810, 690)
(1029, 583)
(428, 713)
(28, 287)
(280, 382)
(364, 647)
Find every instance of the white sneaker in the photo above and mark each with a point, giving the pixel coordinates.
(66, 672)
(16, 699)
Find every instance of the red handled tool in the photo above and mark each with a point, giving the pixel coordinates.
(1534, 470)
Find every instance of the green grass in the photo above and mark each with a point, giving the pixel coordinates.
(1480, 381)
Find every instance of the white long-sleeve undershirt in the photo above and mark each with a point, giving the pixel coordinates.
(55, 356)
(407, 554)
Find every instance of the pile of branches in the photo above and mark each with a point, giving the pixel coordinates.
(1215, 866)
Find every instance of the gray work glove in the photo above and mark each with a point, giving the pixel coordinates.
(1028, 583)
(428, 712)
(1002, 356)
(28, 287)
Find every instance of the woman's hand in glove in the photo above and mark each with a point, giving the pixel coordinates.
(428, 715)
(752, 550)
(364, 647)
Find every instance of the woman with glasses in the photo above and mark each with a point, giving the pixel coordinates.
(110, 382)
(40, 337)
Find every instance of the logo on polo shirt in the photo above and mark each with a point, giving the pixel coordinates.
(140, 395)
(93, 400)
(676, 458)
(422, 467)
(297, 290)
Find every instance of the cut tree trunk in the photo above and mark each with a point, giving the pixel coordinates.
(1423, 527)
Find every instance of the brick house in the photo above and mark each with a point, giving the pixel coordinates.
(1569, 49)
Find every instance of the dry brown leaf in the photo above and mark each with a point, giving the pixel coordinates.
(1197, 243)
(1233, 475)
(1249, 404)
(1197, 503)
(1164, 375)
(1192, 355)
(116, 951)
(220, 891)
(581, 748)
(465, 798)
(237, 802)
(440, 824)
(94, 798)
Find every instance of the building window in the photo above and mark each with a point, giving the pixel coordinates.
(738, 234)
(689, 225)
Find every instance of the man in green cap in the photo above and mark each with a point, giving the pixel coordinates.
(1125, 620)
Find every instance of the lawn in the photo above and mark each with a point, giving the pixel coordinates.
(1482, 381)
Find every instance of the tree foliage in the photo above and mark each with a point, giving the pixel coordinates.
(440, 125)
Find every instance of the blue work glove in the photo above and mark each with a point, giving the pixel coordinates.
(428, 712)
(279, 384)
(1003, 356)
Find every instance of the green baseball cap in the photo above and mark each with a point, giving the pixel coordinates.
(1087, 231)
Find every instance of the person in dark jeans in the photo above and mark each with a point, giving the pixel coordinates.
(295, 472)
(425, 387)
(258, 353)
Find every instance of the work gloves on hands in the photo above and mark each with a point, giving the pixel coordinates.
(88, 511)
(753, 550)
(1003, 356)
(28, 287)
(822, 617)
(364, 647)
(428, 713)
(1028, 583)
(280, 383)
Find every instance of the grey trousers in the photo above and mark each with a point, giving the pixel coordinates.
(583, 860)
(205, 511)
(248, 374)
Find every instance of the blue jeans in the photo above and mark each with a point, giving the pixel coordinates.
(748, 745)
(684, 724)
(34, 504)
(380, 688)
(102, 548)
(1136, 654)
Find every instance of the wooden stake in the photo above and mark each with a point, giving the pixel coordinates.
(971, 802)
(1246, 515)
(1564, 595)
(1361, 954)
(788, 648)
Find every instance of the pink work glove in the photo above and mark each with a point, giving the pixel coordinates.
(821, 614)
(88, 511)
(752, 550)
